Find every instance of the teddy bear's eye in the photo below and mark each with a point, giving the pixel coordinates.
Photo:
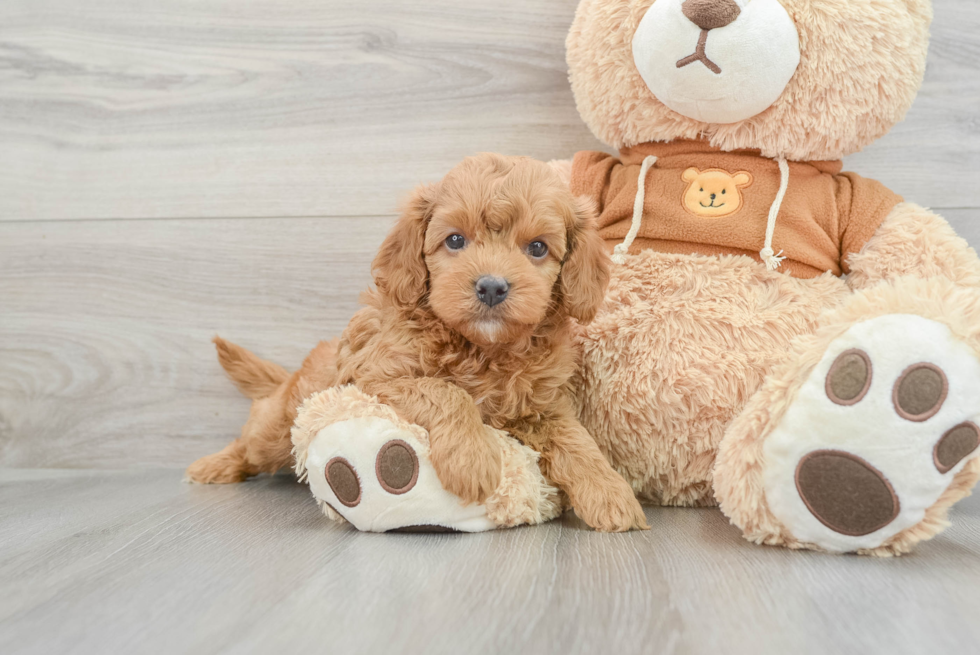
(701, 189)
(723, 191)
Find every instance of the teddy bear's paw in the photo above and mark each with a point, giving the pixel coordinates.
(874, 438)
(367, 466)
(378, 477)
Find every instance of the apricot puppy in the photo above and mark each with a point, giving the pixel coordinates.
(479, 287)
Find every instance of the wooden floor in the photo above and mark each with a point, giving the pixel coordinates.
(120, 562)
(173, 169)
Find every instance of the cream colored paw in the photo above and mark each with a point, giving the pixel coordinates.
(372, 469)
(876, 434)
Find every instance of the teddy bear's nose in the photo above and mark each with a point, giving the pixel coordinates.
(713, 196)
(710, 14)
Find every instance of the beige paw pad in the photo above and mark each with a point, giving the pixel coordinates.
(846, 493)
(849, 377)
(397, 467)
(920, 391)
(956, 445)
(342, 478)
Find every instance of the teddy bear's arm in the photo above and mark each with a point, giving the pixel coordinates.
(591, 176)
(914, 241)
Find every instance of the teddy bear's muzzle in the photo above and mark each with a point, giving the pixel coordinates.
(708, 15)
(744, 55)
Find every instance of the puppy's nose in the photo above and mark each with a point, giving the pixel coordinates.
(491, 290)
(710, 14)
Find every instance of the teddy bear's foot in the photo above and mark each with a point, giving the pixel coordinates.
(366, 466)
(877, 433)
(868, 432)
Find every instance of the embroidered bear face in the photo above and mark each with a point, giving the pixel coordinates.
(714, 193)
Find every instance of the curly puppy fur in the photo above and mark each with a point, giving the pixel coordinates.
(428, 347)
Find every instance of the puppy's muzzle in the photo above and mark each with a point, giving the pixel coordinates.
(492, 290)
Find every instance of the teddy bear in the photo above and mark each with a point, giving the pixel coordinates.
(794, 344)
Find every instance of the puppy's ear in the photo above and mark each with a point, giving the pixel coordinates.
(399, 267)
(585, 273)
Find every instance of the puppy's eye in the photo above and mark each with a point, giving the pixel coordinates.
(537, 249)
(455, 242)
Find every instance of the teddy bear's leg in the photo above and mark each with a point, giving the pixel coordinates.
(869, 431)
(681, 345)
(914, 241)
(367, 466)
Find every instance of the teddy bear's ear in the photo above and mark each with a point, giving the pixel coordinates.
(742, 179)
(690, 174)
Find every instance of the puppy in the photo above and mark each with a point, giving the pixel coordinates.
(471, 323)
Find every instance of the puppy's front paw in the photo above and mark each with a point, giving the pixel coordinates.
(470, 470)
(611, 507)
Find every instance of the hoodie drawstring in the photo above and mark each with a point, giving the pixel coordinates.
(772, 259)
(619, 252)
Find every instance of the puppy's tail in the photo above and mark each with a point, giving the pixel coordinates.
(256, 378)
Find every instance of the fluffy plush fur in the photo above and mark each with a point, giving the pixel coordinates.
(425, 344)
(861, 64)
(683, 343)
(693, 356)
(914, 242)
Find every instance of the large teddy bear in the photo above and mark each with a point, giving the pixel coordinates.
(792, 343)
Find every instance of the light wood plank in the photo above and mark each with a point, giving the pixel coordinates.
(205, 108)
(189, 108)
(138, 562)
(931, 156)
(105, 354)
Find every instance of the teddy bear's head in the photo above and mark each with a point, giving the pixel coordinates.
(800, 79)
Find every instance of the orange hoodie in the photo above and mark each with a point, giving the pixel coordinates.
(700, 200)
